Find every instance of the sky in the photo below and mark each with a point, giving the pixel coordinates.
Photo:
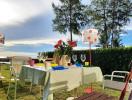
(27, 26)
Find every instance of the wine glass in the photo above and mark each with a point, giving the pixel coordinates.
(45, 56)
(40, 56)
(74, 57)
(83, 58)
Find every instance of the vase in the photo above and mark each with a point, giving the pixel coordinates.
(65, 59)
(56, 59)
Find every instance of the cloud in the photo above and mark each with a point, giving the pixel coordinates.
(13, 53)
(30, 42)
(123, 35)
(84, 48)
(128, 27)
(13, 12)
(45, 40)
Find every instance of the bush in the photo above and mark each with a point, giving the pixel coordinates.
(112, 59)
(108, 59)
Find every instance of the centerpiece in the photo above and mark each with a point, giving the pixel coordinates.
(63, 51)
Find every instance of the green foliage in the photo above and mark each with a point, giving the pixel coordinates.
(109, 59)
(112, 59)
(110, 16)
(69, 16)
(63, 49)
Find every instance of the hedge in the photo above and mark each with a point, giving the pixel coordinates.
(107, 59)
(112, 59)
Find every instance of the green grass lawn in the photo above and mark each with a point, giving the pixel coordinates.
(24, 94)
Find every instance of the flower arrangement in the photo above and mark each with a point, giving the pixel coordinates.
(64, 48)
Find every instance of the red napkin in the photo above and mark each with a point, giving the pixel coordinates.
(31, 62)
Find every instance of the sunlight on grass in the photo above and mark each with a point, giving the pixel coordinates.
(23, 92)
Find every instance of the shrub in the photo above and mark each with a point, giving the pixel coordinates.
(108, 59)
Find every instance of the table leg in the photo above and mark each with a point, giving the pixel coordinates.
(50, 97)
(46, 91)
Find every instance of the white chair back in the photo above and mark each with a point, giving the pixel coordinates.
(18, 61)
(116, 84)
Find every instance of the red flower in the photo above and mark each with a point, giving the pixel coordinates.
(72, 43)
(56, 46)
(89, 38)
(62, 46)
(59, 42)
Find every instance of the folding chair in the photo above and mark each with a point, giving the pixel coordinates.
(15, 70)
(14, 75)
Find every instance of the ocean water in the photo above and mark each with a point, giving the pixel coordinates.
(127, 38)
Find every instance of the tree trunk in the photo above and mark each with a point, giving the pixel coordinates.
(113, 24)
(70, 8)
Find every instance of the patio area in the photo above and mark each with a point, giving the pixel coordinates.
(23, 92)
(66, 50)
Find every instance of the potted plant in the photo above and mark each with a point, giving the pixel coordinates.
(64, 49)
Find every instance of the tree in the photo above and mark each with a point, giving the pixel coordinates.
(120, 16)
(70, 17)
(110, 16)
(97, 12)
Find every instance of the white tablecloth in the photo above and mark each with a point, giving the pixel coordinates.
(92, 74)
(53, 80)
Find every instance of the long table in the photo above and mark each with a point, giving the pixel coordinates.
(55, 80)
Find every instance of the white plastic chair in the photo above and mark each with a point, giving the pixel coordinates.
(116, 84)
(15, 70)
(15, 76)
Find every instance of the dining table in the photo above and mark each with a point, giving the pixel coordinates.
(56, 80)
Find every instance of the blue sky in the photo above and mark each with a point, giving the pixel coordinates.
(127, 39)
(27, 26)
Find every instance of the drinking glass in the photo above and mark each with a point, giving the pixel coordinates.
(40, 56)
(83, 57)
(74, 57)
(45, 56)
